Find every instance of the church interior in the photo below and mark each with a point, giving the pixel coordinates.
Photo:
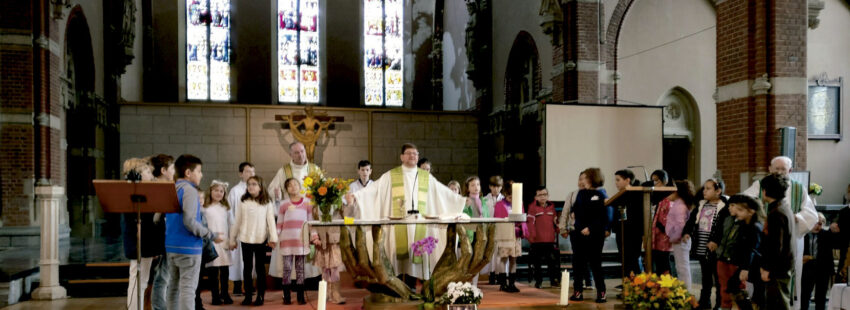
(477, 85)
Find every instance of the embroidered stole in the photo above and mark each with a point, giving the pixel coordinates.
(399, 210)
(287, 170)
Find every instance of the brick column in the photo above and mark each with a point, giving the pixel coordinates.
(31, 111)
(576, 62)
(761, 85)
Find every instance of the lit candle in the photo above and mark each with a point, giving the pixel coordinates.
(516, 199)
(323, 295)
(565, 288)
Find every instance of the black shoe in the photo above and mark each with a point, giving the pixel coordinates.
(600, 297)
(555, 283)
(226, 300)
(199, 304)
(511, 287)
(300, 294)
(502, 286)
(287, 300)
(247, 300)
(237, 288)
(260, 299)
(537, 284)
(492, 279)
(577, 296)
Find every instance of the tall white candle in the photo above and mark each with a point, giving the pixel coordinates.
(323, 295)
(516, 198)
(565, 288)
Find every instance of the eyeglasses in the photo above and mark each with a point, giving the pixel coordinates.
(411, 153)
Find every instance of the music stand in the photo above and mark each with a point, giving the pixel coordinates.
(119, 196)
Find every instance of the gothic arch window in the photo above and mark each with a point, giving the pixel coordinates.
(522, 79)
(383, 43)
(298, 51)
(208, 50)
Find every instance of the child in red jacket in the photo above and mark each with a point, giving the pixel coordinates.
(543, 235)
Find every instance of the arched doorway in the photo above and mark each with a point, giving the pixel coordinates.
(84, 124)
(681, 135)
(522, 122)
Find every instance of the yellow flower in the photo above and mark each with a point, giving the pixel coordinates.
(308, 181)
(667, 281)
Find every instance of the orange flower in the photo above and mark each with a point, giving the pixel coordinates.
(650, 284)
(323, 190)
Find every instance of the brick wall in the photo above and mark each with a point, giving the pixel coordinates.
(753, 39)
(218, 135)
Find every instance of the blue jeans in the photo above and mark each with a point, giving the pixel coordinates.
(160, 284)
(184, 270)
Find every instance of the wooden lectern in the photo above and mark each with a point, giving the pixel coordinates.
(620, 197)
(119, 196)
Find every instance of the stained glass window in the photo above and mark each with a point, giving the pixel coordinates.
(383, 53)
(298, 51)
(208, 50)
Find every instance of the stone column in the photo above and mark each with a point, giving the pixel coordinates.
(47, 198)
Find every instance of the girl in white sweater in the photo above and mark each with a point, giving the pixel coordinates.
(254, 228)
(216, 213)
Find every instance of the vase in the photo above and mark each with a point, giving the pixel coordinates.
(462, 307)
(327, 212)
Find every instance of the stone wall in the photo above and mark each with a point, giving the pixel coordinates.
(219, 136)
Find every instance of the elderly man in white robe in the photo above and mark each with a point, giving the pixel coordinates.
(805, 215)
(234, 198)
(297, 168)
(395, 193)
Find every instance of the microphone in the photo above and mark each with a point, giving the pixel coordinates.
(413, 190)
(645, 174)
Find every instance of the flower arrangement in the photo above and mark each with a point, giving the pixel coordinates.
(325, 193)
(462, 293)
(815, 189)
(650, 291)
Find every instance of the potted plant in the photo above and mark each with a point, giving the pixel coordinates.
(462, 296)
(650, 291)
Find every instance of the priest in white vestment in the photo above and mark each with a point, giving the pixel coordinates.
(297, 168)
(376, 202)
(805, 215)
(234, 198)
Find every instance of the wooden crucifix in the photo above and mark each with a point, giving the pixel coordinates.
(307, 128)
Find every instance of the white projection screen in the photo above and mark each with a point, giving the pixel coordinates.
(605, 136)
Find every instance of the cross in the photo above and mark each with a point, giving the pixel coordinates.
(307, 128)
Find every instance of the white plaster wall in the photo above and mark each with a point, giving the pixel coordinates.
(458, 92)
(509, 18)
(829, 161)
(132, 79)
(669, 43)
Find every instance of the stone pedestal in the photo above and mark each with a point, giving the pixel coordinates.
(47, 198)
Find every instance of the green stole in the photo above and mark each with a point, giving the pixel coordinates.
(311, 168)
(797, 195)
(399, 210)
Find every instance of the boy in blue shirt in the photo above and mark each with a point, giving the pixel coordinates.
(183, 235)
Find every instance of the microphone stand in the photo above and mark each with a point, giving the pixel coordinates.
(645, 174)
(413, 210)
